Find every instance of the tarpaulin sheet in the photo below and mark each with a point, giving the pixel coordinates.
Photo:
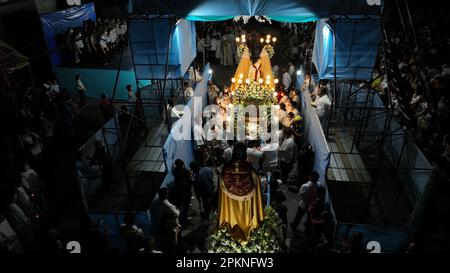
(59, 22)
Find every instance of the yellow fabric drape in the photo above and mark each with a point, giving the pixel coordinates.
(266, 67)
(243, 68)
(245, 213)
(245, 64)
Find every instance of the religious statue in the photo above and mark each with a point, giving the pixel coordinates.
(254, 73)
(240, 200)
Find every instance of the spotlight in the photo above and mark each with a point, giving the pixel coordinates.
(233, 80)
(237, 39)
(276, 81)
(241, 76)
(299, 72)
(274, 39)
(268, 36)
(240, 81)
(243, 40)
(268, 82)
(268, 77)
(267, 41)
(261, 40)
(243, 37)
(210, 71)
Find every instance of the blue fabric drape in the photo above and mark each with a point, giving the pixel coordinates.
(59, 22)
(279, 10)
(149, 41)
(184, 149)
(357, 43)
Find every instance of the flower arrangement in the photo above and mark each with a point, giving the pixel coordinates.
(241, 49)
(252, 92)
(246, 18)
(270, 50)
(267, 238)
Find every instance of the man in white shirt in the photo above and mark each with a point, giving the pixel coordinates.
(286, 154)
(286, 79)
(228, 152)
(307, 194)
(323, 106)
(254, 155)
(270, 151)
(168, 223)
(214, 47)
(188, 91)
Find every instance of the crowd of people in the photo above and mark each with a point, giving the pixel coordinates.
(93, 42)
(27, 189)
(418, 73)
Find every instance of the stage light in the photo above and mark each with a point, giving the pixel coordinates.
(276, 81)
(241, 76)
(261, 81)
(274, 39)
(268, 82)
(299, 72)
(240, 81)
(210, 71)
(243, 40)
(237, 39)
(267, 41)
(243, 37)
(268, 36)
(233, 80)
(268, 77)
(261, 40)
(247, 81)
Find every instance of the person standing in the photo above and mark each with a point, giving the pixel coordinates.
(213, 92)
(106, 108)
(132, 235)
(168, 226)
(286, 154)
(81, 90)
(307, 194)
(188, 91)
(323, 106)
(227, 52)
(286, 79)
(214, 47)
(254, 155)
(291, 70)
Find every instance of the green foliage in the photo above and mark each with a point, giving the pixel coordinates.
(267, 238)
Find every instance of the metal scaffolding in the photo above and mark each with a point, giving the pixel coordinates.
(368, 185)
(136, 149)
